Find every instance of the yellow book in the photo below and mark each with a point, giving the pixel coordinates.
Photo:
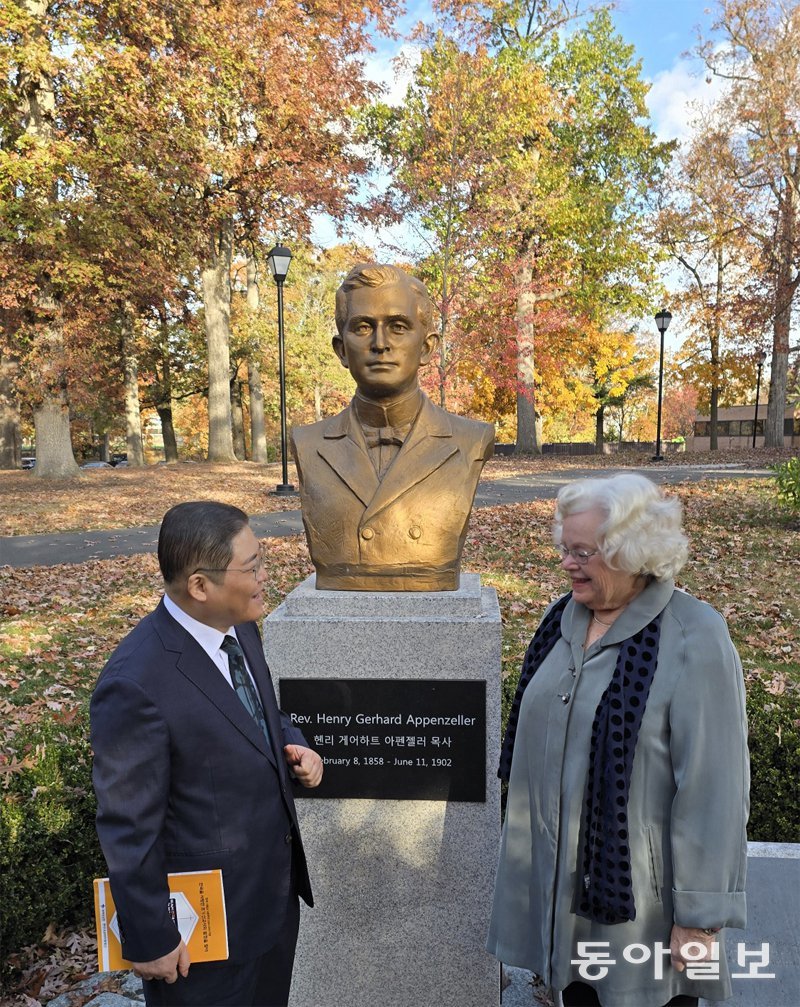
(196, 904)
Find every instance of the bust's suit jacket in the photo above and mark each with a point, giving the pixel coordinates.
(405, 531)
(185, 780)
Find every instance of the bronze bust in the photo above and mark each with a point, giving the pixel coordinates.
(387, 485)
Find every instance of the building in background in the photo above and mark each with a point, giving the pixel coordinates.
(735, 428)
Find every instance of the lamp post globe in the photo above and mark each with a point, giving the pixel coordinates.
(663, 318)
(279, 260)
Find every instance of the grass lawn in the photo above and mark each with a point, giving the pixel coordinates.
(58, 624)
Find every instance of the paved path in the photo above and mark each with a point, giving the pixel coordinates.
(79, 547)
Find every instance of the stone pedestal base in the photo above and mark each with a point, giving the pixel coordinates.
(403, 888)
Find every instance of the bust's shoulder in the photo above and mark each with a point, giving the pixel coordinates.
(469, 431)
(463, 424)
(312, 433)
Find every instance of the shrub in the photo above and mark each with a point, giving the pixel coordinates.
(48, 846)
(774, 764)
(787, 475)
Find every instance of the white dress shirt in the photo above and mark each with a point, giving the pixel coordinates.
(210, 639)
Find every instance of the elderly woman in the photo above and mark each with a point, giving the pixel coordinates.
(623, 850)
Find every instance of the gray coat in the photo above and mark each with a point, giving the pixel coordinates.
(687, 808)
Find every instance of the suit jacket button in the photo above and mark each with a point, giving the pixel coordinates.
(415, 531)
(287, 838)
(367, 533)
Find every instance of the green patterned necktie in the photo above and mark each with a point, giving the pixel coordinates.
(243, 684)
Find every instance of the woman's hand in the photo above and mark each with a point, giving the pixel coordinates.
(680, 937)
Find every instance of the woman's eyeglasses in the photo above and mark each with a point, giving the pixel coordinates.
(581, 556)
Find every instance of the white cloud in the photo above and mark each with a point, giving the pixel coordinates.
(677, 97)
(393, 71)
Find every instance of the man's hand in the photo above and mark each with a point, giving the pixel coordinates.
(305, 764)
(680, 937)
(167, 967)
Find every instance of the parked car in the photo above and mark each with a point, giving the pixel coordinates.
(96, 465)
(28, 463)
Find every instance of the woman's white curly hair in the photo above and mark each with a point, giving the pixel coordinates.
(641, 533)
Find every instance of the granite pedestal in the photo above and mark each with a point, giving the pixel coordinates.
(402, 887)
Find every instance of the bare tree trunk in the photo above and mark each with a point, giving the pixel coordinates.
(10, 436)
(258, 434)
(599, 416)
(237, 420)
(130, 367)
(443, 334)
(715, 338)
(713, 422)
(105, 447)
(317, 403)
(528, 430)
(785, 288)
(216, 278)
(168, 433)
(779, 373)
(54, 457)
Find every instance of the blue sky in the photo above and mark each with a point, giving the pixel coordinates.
(662, 32)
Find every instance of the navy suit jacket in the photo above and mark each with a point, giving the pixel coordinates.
(185, 781)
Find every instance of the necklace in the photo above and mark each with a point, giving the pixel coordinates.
(600, 621)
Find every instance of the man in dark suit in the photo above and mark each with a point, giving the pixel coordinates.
(193, 767)
(387, 485)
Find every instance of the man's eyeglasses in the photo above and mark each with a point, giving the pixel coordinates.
(254, 570)
(581, 556)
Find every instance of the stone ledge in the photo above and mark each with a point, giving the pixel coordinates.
(307, 602)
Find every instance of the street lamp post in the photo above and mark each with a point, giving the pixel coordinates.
(663, 318)
(279, 259)
(761, 358)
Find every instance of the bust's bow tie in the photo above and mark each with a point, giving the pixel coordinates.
(385, 435)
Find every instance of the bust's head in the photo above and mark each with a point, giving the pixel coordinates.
(385, 331)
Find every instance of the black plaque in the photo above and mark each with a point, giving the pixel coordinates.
(421, 740)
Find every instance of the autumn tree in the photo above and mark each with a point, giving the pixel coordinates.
(321, 386)
(277, 90)
(611, 368)
(454, 150)
(573, 242)
(756, 49)
(680, 410)
(95, 237)
(160, 137)
(34, 165)
(706, 224)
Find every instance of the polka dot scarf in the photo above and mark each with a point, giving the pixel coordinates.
(606, 893)
(543, 641)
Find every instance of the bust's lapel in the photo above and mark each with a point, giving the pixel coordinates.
(344, 449)
(426, 449)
